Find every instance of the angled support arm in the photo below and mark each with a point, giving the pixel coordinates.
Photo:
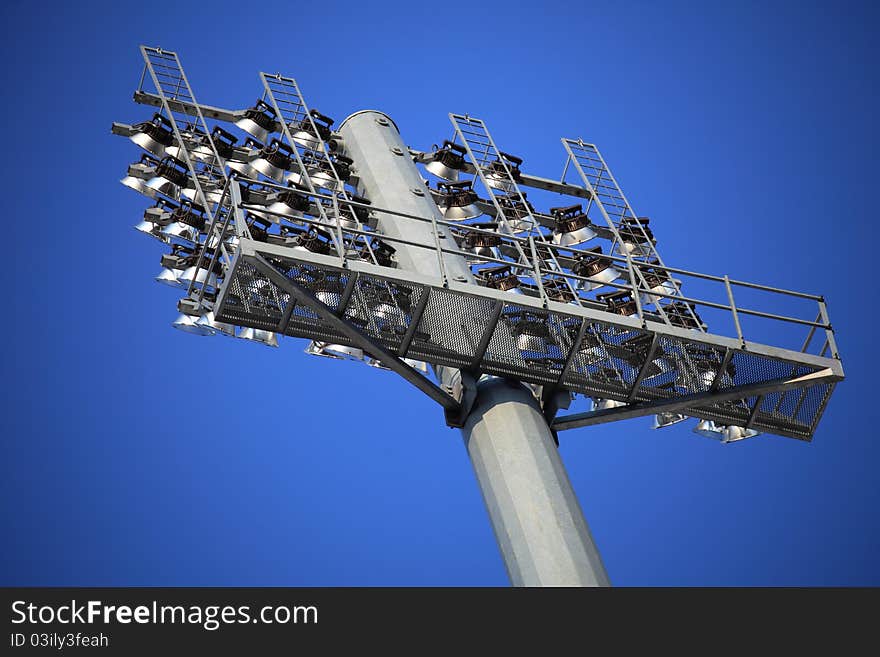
(304, 296)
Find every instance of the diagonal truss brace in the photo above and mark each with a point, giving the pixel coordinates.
(389, 360)
(692, 402)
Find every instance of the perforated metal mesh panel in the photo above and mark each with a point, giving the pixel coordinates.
(536, 346)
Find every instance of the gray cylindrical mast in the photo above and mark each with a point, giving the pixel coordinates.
(535, 515)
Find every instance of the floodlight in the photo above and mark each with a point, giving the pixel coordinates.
(306, 134)
(383, 252)
(187, 222)
(499, 278)
(599, 270)
(169, 277)
(458, 200)
(209, 321)
(663, 420)
(731, 433)
(245, 168)
(572, 226)
(636, 238)
(274, 160)
(190, 325)
(335, 351)
(154, 136)
(315, 240)
(387, 301)
(480, 245)
(503, 367)
(517, 211)
(530, 329)
(723, 433)
(171, 177)
(152, 224)
(657, 281)
(200, 275)
(682, 313)
(447, 161)
(288, 203)
(497, 172)
(619, 303)
(139, 173)
(322, 171)
(258, 120)
(260, 336)
(557, 289)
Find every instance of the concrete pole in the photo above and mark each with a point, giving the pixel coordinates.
(539, 525)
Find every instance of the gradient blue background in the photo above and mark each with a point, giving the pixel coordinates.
(310, 472)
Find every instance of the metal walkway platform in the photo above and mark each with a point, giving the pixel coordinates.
(650, 365)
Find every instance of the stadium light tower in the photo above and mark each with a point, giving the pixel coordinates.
(277, 224)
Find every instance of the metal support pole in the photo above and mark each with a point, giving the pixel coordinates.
(539, 525)
(541, 531)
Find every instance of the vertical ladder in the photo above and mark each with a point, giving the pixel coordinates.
(616, 210)
(483, 152)
(284, 95)
(183, 111)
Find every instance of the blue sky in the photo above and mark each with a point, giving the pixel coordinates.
(746, 132)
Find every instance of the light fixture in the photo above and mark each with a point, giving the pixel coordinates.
(174, 264)
(193, 136)
(663, 420)
(290, 203)
(200, 275)
(447, 161)
(154, 136)
(479, 244)
(682, 314)
(619, 303)
(327, 288)
(732, 433)
(458, 200)
(169, 277)
(209, 321)
(572, 226)
(260, 336)
(657, 282)
(311, 132)
(598, 269)
(387, 302)
(635, 351)
(335, 351)
(498, 278)
(331, 174)
(518, 212)
(503, 172)
(557, 289)
(723, 433)
(636, 238)
(223, 142)
(530, 330)
(171, 177)
(155, 218)
(381, 251)
(187, 222)
(244, 167)
(190, 325)
(139, 173)
(315, 240)
(606, 404)
(274, 160)
(258, 120)
(351, 217)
